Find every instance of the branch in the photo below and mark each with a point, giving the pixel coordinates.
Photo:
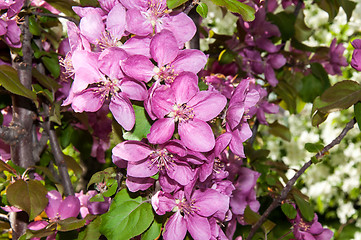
(55, 16)
(190, 6)
(12, 134)
(277, 201)
(58, 155)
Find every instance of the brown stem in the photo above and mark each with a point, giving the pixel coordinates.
(58, 155)
(55, 16)
(277, 201)
(190, 6)
(23, 108)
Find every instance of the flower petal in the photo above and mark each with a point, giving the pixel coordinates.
(138, 67)
(69, 207)
(196, 135)
(132, 151)
(198, 227)
(185, 86)
(122, 110)
(164, 48)
(176, 227)
(161, 131)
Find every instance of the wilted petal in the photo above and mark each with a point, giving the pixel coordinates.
(176, 227)
(161, 131)
(196, 135)
(122, 110)
(164, 48)
(132, 151)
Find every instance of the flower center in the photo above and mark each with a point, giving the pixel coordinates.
(162, 158)
(107, 40)
(167, 74)
(67, 64)
(106, 88)
(182, 113)
(186, 207)
(303, 225)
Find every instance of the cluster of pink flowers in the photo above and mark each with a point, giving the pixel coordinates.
(134, 51)
(9, 29)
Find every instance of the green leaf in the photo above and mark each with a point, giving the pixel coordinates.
(153, 232)
(97, 198)
(280, 130)
(235, 6)
(101, 176)
(142, 125)
(34, 27)
(10, 81)
(70, 224)
(111, 190)
(52, 64)
(127, 217)
(285, 23)
(175, 3)
(29, 196)
(252, 217)
(340, 96)
(314, 147)
(91, 232)
(357, 110)
(289, 210)
(305, 208)
(330, 6)
(64, 6)
(202, 10)
(311, 88)
(73, 165)
(45, 81)
(348, 6)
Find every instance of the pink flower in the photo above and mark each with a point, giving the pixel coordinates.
(145, 161)
(145, 17)
(191, 214)
(184, 104)
(58, 209)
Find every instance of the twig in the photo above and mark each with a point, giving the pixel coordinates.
(55, 16)
(277, 201)
(190, 6)
(58, 155)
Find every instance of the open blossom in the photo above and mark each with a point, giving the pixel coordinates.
(313, 230)
(58, 209)
(192, 213)
(145, 161)
(152, 16)
(336, 59)
(98, 79)
(170, 60)
(183, 103)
